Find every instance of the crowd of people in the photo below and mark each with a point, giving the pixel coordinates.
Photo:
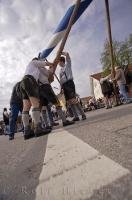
(94, 104)
(34, 97)
(39, 108)
(114, 88)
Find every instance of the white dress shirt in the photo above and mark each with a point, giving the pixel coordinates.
(33, 68)
(66, 72)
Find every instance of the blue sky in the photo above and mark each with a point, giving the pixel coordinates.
(27, 26)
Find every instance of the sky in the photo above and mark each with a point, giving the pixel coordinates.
(26, 27)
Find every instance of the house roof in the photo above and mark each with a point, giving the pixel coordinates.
(97, 76)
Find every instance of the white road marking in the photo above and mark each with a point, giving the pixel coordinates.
(73, 170)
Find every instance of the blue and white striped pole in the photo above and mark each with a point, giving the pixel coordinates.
(61, 28)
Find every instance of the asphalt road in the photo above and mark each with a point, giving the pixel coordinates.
(94, 155)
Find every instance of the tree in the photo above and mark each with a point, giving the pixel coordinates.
(130, 47)
(122, 54)
(105, 56)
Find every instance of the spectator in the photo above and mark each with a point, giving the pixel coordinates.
(107, 91)
(16, 106)
(6, 120)
(121, 81)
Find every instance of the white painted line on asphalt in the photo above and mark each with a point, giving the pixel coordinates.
(73, 170)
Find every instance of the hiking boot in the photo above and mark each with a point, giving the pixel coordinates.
(55, 124)
(128, 101)
(67, 123)
(38, 131)
(28, 133)
(83, 117)
(108, 107)
(75, 119)
(49, 128)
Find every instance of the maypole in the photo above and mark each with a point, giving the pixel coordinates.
(59, 32)
(62, 45)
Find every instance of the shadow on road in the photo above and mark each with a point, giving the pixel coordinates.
(22, 182)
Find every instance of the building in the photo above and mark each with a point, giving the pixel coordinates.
(96, 88)
(95, 85)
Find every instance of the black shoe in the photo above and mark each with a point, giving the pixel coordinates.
(11, 137)
(83, 117)
(67, 123)
(75, 119)
(28, 133)
(38, 131)
(48, 127)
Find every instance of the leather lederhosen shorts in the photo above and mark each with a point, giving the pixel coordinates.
(47, 95)
(69, 90)
(29, 87)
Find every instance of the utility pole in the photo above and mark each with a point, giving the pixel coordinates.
(110, 36)
(111, 46)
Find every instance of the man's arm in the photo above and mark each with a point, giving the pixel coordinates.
(106, 78)
(6, 114)
(66, 54)
(42, 63)
(118, 75)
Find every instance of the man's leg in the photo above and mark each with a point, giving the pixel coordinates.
(50, 115)
(75, 113)
(79, 108)
(61, 113)
(70, 96)
(25, 118)
(25, 113)
(12, 120)
(6, 129)
(45, 116)
(106, 101)
(110, 102)
(51, 97)
(36, 117)
(123, 92)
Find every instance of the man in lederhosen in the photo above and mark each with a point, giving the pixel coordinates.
(68, 86)
(47, 96)
(30, 94)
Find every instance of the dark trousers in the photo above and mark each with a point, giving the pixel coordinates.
(15, 108)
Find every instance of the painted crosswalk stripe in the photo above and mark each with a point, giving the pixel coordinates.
(73, 170)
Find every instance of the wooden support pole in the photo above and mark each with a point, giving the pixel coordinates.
(110, 36)
(111, 46)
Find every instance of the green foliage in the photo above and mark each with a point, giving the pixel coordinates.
(106, 71)
(122, 54)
